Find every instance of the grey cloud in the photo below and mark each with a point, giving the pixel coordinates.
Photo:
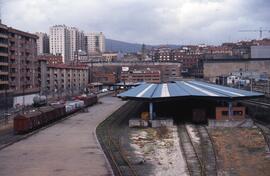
(151, 21)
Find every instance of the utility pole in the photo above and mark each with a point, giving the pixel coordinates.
(239, 83)
(251, 88)
(268, 85)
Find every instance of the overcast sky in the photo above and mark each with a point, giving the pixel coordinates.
(145, 21)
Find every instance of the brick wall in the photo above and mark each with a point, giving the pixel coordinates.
(238, 113)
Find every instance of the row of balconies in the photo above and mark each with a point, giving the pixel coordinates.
(3, 45)
(3, 82)
(62, 80)
(4, 72)
(3, 63)
(3, 36)
(4, 54)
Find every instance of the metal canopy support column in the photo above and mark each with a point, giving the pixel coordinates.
(151, 110)
(230, 110)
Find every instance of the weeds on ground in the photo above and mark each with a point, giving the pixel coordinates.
(162, 132)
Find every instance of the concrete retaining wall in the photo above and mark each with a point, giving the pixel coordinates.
(138, 123)
(246, 123)
(159, 123)
(224, 67)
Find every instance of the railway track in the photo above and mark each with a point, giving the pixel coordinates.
(194, 164)
(206, 151)
(258, 103)
(109, 132)
(265, 130)
(200, 156)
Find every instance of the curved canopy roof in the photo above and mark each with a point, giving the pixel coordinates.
(182, 89)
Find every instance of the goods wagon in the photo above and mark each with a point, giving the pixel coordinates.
(30, 120)
(89, 100)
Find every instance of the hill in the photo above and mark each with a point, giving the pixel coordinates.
(126, 47)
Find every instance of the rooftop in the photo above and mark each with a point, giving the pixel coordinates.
(182, 89)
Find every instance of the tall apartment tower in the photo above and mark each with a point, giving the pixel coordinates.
(23, 69)
(101, 40)
(74, 42)
(4, 68)
(6, 98)
(60, 42)
(95, 42)
(43, 43)
(77, 42)
(82, 41)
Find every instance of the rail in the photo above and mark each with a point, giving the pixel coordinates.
(110, 141)
(262, 128)
(256, 102)
(209, 149)
(194, 164)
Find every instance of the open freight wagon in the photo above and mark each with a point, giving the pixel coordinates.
(36, 118)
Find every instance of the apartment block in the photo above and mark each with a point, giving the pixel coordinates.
(82, 42)
(4, 63)
(51, 59)
(23, 63)
(147, 75)
(5, 94)
(104, 77)
(60, 42)
(63, 78)
(109, 56)
(77, 42)
(95, 42)
(43, 43)
(104, 71)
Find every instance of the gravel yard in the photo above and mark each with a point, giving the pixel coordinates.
(159, 150)
(241, 151)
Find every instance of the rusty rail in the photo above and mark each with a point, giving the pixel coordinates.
(109, 140)
(194, 164)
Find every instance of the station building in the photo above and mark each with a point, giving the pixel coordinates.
(192, 101)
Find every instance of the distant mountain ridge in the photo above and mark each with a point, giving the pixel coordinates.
(126, 47)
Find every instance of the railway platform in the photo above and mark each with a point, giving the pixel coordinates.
(66, 148)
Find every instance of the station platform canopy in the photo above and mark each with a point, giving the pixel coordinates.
(186, 89)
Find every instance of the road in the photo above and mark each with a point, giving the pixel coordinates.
(68, 148)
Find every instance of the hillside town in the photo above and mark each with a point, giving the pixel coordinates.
(69, 61)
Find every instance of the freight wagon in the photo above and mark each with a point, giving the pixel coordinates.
(38, 117)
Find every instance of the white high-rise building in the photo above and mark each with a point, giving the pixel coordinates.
(102, 43)
(60, 42)
(82, 41)
(74, 42)
(42, 43)
(77, 42)
(95, 42)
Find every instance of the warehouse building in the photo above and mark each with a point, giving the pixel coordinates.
(260, 52)
(217, 67)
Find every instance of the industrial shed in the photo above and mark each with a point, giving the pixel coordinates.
(190, 93)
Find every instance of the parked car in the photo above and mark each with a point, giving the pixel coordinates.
(104, 90)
